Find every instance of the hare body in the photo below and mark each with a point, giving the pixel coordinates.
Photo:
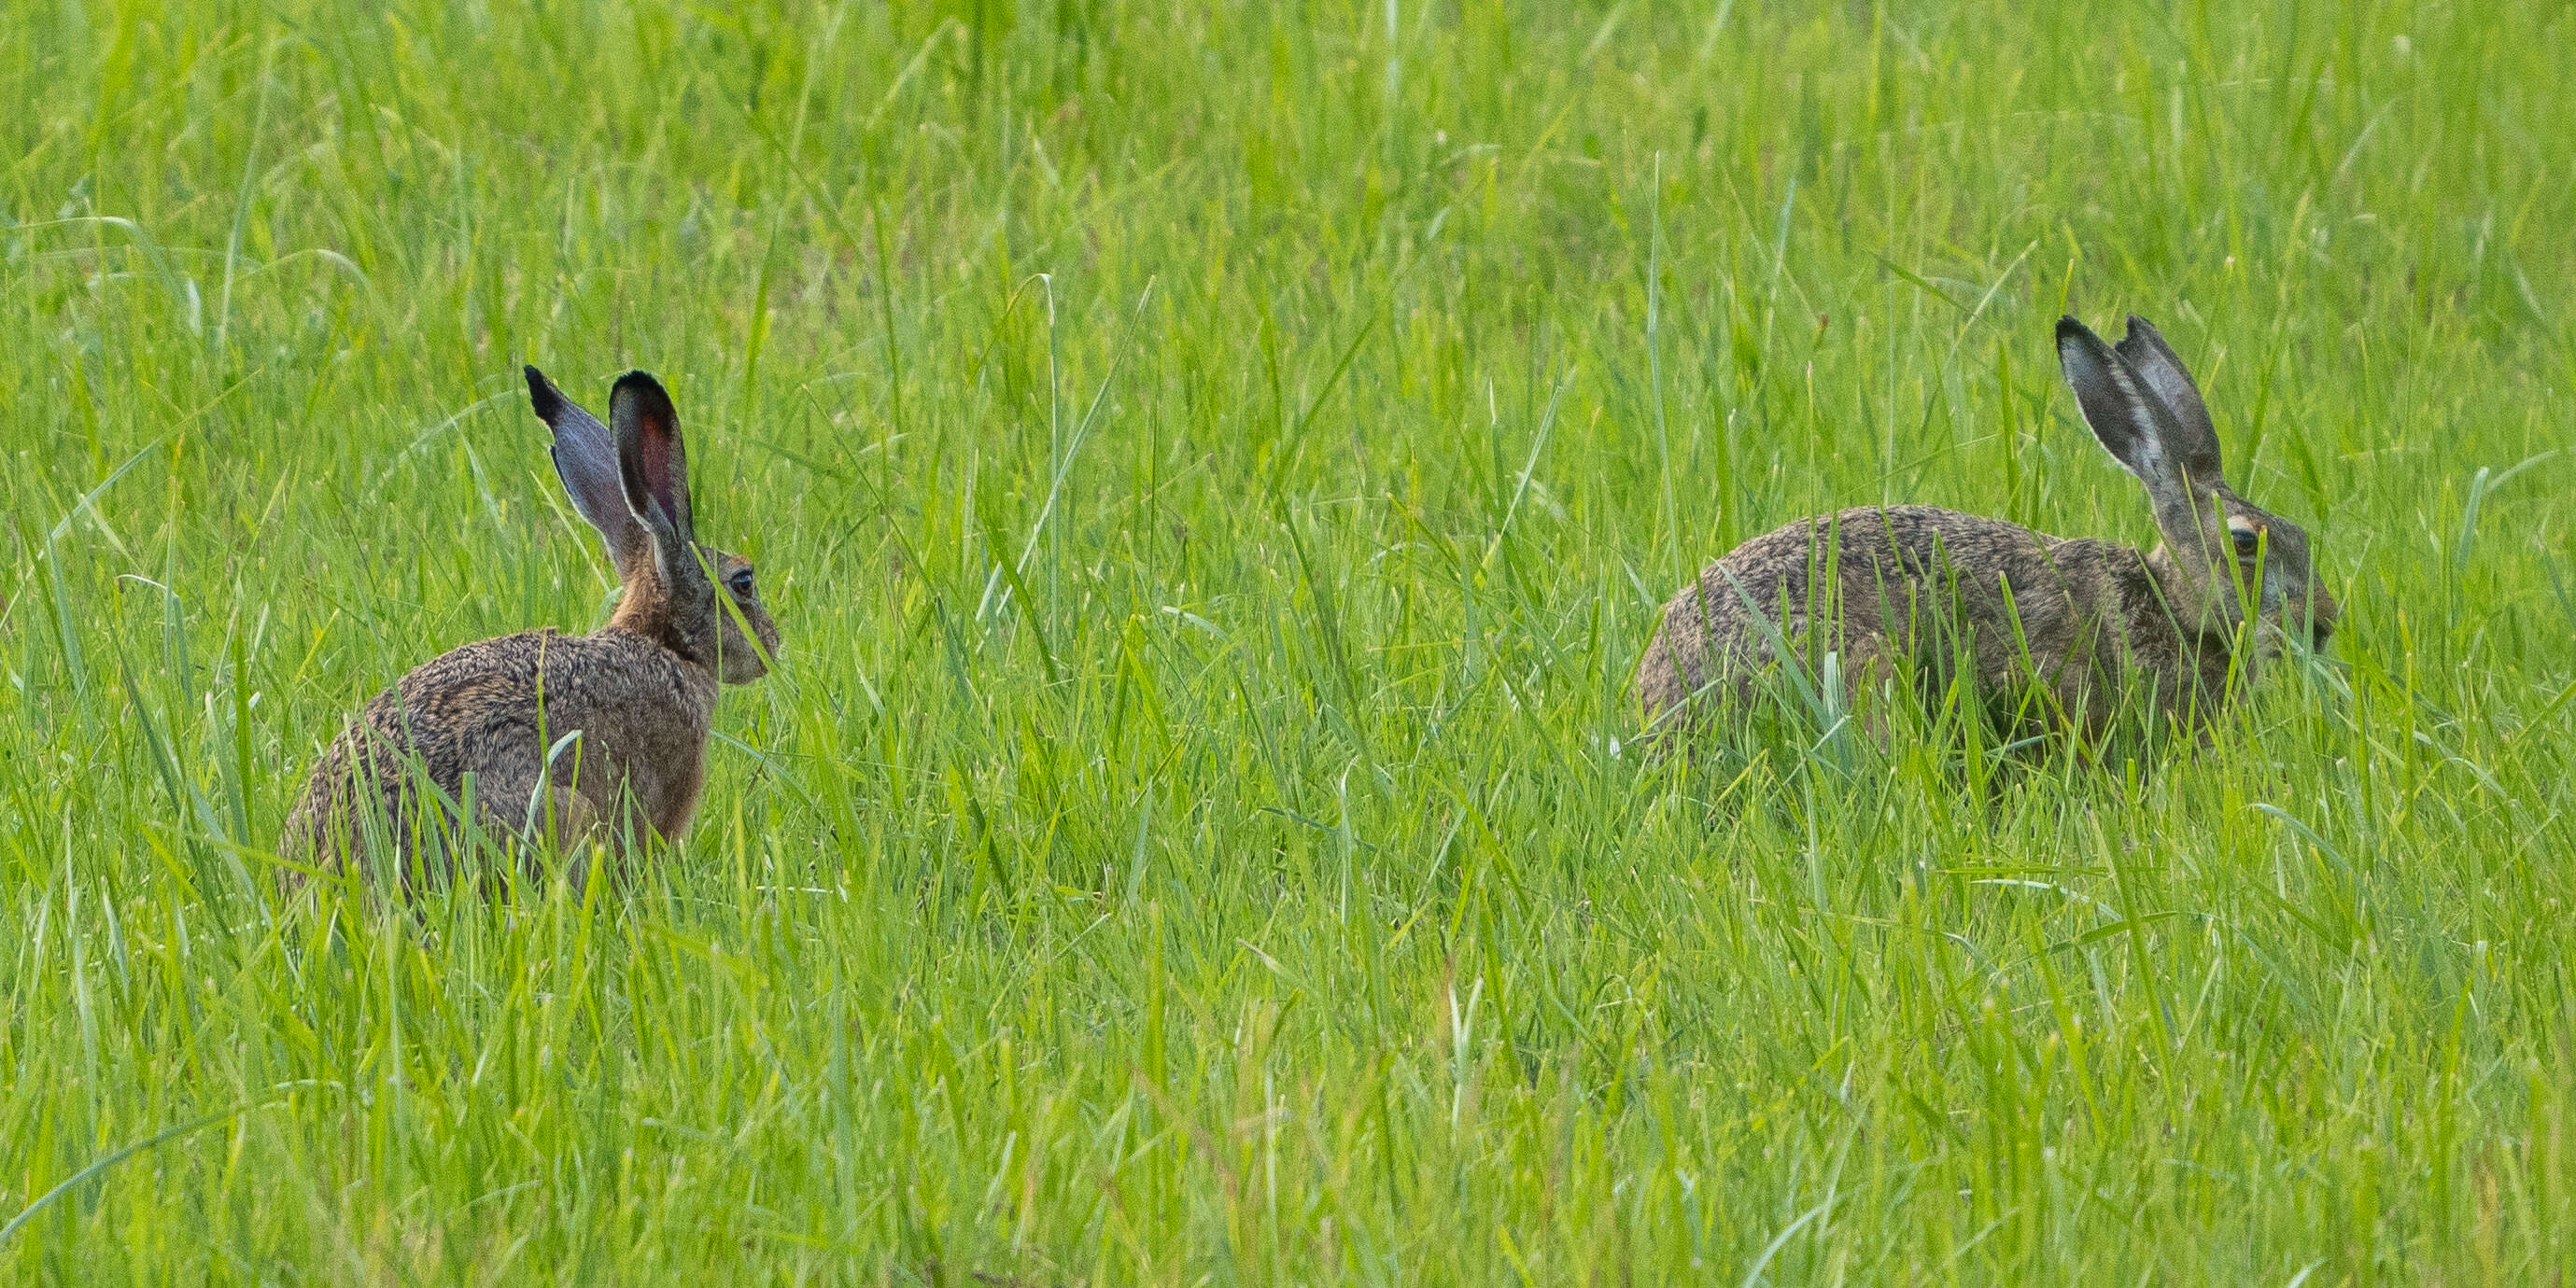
(642, 716)
(1914, 580)
(562, 737)
(2094, 623)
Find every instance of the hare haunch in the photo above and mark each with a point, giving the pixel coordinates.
(567, 737)
(2094, 624)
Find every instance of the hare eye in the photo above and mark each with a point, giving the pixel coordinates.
(740, 581)
(2247, 541)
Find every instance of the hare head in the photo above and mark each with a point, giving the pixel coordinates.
(2221, 554)
(630, 480)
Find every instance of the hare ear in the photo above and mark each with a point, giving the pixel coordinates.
(651, 457)
(2195, 446)
(2116, 404)
(585, 456)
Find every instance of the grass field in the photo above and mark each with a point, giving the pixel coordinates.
(1216, 471)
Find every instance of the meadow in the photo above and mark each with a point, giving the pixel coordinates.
(1216, 469)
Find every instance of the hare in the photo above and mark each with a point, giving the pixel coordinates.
(561, 737)
(2092, 623)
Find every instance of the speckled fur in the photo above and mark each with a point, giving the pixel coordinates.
(641, 691)
(2092, 623)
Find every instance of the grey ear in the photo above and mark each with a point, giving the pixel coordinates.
(2116, 404)
(2195, 446)
(585, 456)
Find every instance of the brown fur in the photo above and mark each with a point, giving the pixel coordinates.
(2092, 623)
(641, 691)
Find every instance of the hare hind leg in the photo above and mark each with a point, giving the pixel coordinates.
(1865, 665)
(540, 816)
(1844, 666)
(581, 833)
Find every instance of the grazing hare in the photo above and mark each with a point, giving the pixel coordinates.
(561, 737)
(2094, 624)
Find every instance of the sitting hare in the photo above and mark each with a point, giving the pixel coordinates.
(564, 737)
(2084, 619)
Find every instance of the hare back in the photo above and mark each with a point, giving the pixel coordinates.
(636, 716)
(1936, 584)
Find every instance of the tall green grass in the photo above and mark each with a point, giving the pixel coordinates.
(1217, 470)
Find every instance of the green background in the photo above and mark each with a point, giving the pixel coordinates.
(1216, 470)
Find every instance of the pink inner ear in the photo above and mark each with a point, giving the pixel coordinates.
(655, 456)
(654, 462)
(656, 459)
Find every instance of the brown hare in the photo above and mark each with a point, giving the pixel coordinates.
(2093, 624)
(563, 738)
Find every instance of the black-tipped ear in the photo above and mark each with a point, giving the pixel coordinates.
(650, 455)
(2115, 402)
(2195, 447)
(585, 457)
(542, 394)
